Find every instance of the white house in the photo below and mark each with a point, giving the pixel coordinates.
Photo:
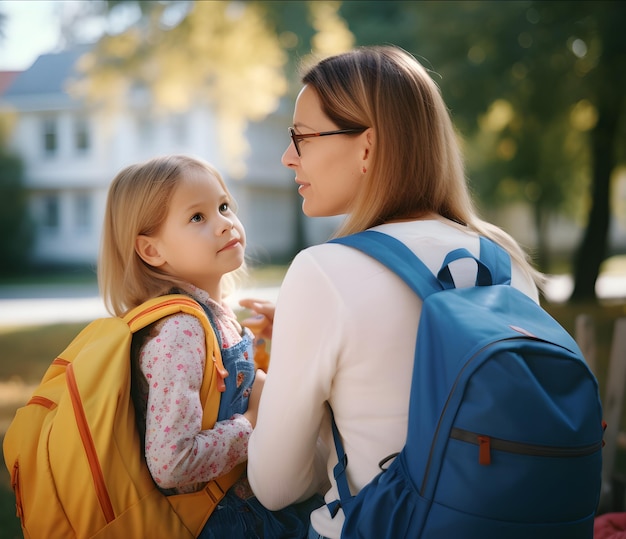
(72, 152)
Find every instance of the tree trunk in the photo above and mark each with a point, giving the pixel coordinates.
(592, 250)
(542, 253)
(608, 86)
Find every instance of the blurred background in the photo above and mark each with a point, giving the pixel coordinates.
(536, 89)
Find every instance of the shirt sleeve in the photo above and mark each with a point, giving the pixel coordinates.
(178, 452)
(287, 459)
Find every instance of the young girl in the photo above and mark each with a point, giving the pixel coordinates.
(170, 227)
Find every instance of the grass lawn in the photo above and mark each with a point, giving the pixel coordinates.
(24, 356)
(26, 352)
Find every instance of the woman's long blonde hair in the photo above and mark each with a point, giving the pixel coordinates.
(138, 203)
(417, 166)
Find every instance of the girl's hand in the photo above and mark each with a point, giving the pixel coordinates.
(255, 396)
(261, 324)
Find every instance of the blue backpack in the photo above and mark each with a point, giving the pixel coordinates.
(505, 422)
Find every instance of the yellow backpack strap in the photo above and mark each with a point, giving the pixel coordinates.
(157, 308)
(195, 508)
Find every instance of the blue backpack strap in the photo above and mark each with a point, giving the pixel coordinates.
(397, 257)
(494, 264)
(339, 471)
(497, 260)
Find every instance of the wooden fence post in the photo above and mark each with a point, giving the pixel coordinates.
(585, 336)
(613, 401)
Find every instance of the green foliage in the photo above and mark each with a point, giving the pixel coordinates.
(16, 232)
(292, 24)
(505, 69)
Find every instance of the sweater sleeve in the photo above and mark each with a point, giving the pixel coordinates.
(287, 459)
(179, 454)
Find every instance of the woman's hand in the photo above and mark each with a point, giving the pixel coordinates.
(255, 396)
(261, 324)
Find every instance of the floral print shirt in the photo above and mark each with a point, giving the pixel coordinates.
(171, 359)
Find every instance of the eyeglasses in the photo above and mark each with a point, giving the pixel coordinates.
(297, 137)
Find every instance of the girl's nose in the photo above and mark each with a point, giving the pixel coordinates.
(225, 225)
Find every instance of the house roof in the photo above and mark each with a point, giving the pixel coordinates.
(6, 78)
(47, 75)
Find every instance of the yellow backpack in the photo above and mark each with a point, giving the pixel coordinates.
(74, 454)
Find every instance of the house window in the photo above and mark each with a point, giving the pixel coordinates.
(82, 212)
(51, 212)
(81, 135)
(50, 136)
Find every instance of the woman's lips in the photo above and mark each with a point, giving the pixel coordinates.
(302, 185)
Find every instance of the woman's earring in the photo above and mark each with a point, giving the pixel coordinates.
(364, 170)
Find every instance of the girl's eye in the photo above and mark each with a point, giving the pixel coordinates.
(224, 207)
(197, 218)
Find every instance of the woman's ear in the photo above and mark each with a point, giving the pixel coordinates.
(369, 142)
(147, 249)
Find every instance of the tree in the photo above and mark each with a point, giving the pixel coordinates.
(306, 30)
(209, 52)
(17, 233)
(604, 84)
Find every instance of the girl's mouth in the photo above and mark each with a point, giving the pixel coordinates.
(230, 244)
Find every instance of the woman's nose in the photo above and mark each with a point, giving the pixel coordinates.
(290, 156)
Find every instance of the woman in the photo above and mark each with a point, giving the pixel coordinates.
(372, 139)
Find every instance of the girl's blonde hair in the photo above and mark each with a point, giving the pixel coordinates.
(137, 204)
(417, 166)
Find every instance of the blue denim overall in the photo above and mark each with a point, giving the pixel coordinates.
(238, 518)
(238, 360)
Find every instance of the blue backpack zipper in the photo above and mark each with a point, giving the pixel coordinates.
(488, 443)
